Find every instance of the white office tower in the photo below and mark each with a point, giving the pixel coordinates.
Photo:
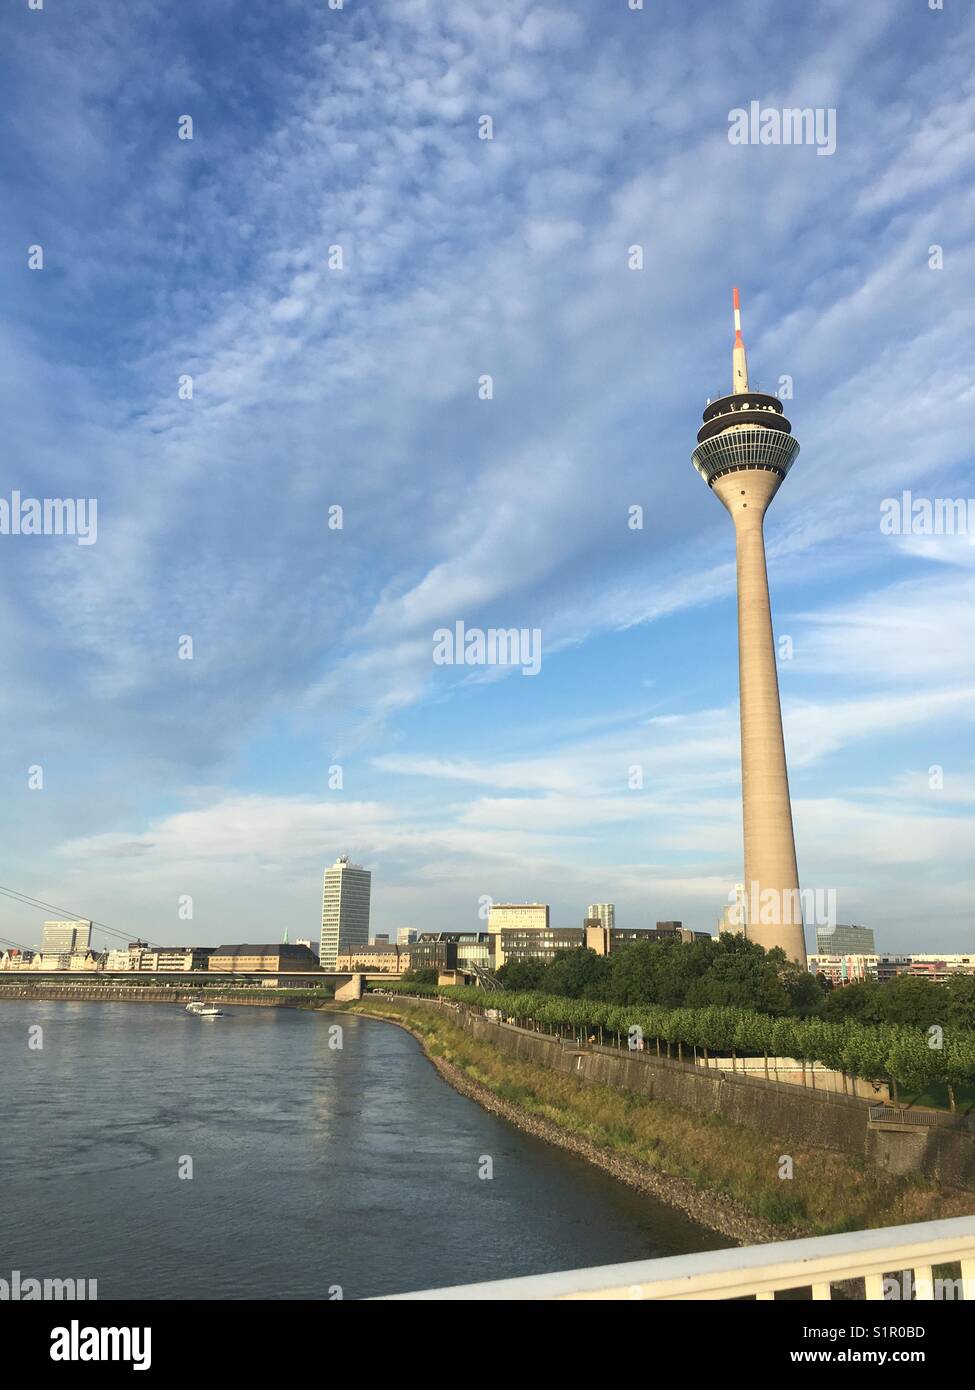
(604, 914)
(345, 910)
(66, 938)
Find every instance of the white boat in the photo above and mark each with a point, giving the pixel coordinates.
(209, 1011)
(195, 1006)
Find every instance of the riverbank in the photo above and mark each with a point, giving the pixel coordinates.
(24, 992)
(716, 1212)
(725, 1176)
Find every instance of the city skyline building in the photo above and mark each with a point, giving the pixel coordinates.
(66, 938)
(745, 449)
(840, 940)
(346, 893)
(603, 913)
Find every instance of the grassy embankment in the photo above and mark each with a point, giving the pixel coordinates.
(829, 1192)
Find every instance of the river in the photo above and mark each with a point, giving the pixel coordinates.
(317, 1172)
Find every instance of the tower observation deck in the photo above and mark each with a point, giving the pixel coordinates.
(745, 430)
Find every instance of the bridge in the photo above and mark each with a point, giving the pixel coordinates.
(191, 979)
(930, 1260)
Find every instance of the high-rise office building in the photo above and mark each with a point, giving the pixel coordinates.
(345, 910)
(66, 938)
(514, 917)
(845, 941)
(603, 913)
(745, 448)
(406, 936)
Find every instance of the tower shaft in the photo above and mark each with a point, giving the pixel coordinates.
(773, 904)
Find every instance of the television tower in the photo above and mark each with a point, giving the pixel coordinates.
(745, 448)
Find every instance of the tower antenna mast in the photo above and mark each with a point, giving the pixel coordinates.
(739, 361)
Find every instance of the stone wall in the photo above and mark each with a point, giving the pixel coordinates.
(825, 1119)
(814, 1075)
(822, 1119)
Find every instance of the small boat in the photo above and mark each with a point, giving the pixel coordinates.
(195, 1006)
(209, 1011)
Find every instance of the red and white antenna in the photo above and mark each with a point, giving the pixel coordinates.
(739, 362)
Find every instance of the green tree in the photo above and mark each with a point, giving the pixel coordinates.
(522, 974)
(959, 1001)
(856, 1001)
(576, 974)
(958, 1062)
(806, 993)
(911, 1062)
(912, 1002)
(741, 974)
(427, 976)
(658, 972)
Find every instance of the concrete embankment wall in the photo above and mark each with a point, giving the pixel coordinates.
(136, 995)
(822, 1119)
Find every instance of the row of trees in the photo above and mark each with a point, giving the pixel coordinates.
(908, 1000)
(734, 972)
(906, 1056)
(729, 971)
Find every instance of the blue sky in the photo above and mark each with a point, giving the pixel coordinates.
(316, 387)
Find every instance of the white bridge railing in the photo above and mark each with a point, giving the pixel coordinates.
(907, 1255)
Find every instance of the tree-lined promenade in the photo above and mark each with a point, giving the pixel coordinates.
(716, 986)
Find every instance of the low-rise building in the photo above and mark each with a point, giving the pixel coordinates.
(139, 955)
(843, 970)
(515, 917)
(384, 956)
(545, 945)
(663, 931)
(941, 968)
(848, 969)
(434, 951)
(45, 960)
(87, 960)
(275, 957)
(14, 958)
(542, 944)
(182, 957)
(473, 947)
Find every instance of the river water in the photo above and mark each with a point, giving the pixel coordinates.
(317, 1172)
